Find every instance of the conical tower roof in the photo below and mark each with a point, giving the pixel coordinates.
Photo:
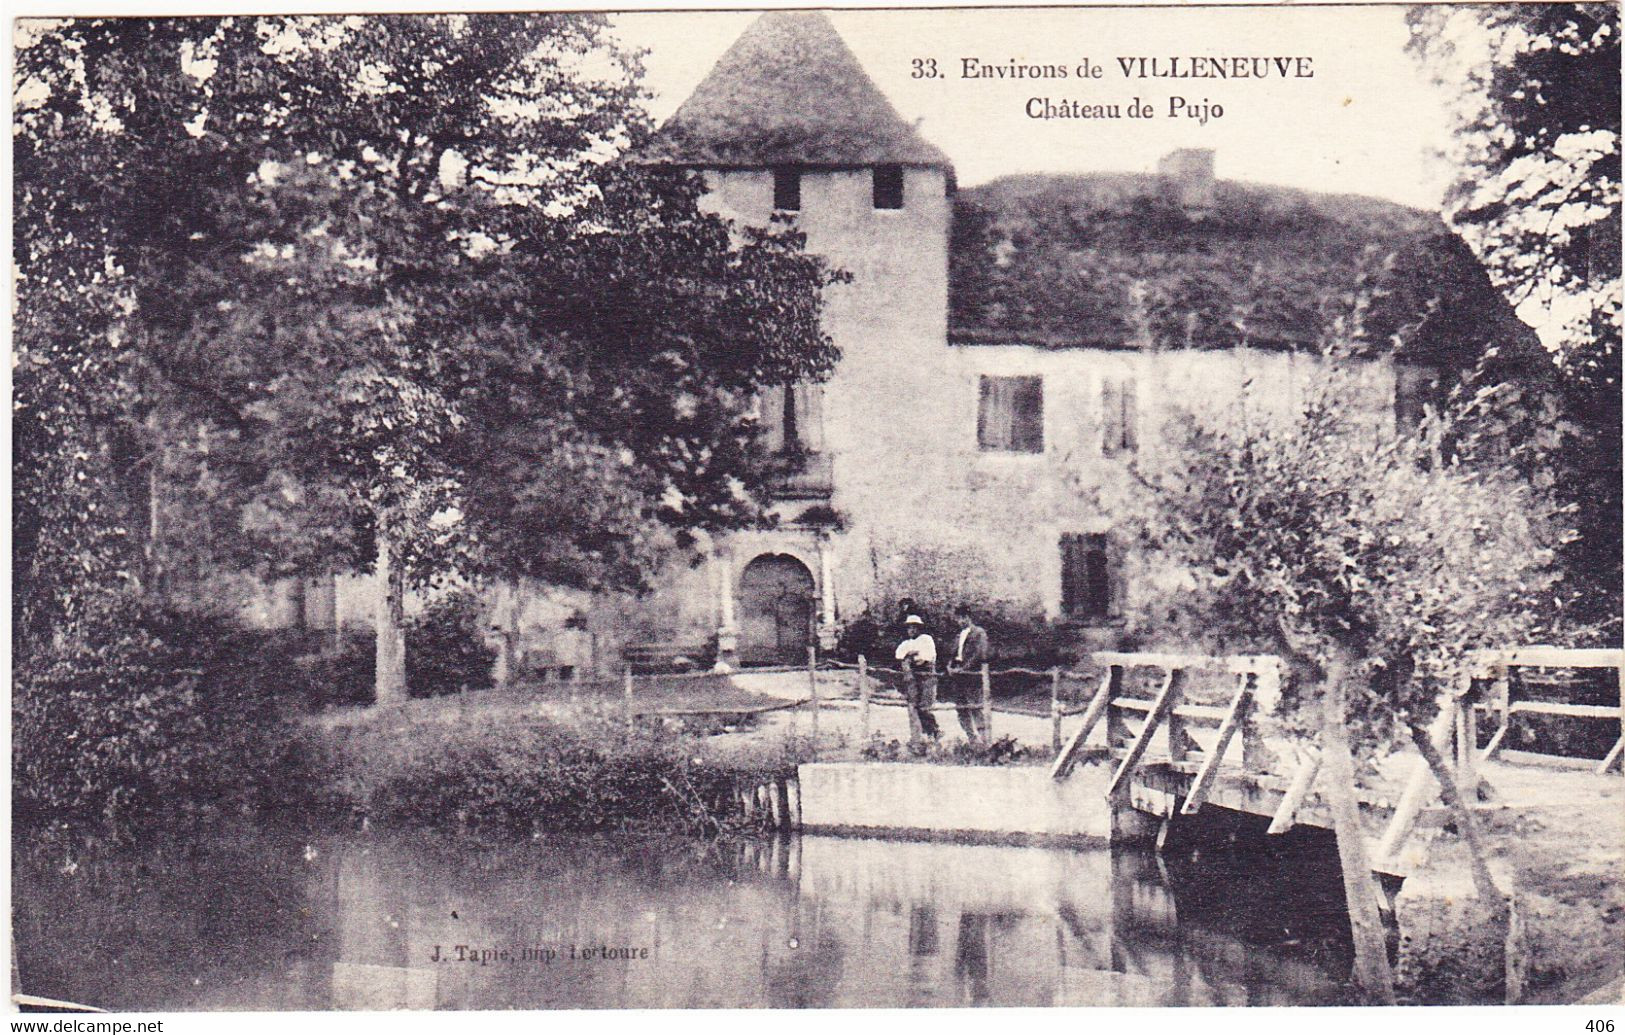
(789, 92)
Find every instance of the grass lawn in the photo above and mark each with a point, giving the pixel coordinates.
(651, 695)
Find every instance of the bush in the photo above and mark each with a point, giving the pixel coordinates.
(1005, 750)
(1015, 638)
(524, 777)
(342, 678)
(445, 649)
(142, 715)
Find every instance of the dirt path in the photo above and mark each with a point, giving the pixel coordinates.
(1562, 833)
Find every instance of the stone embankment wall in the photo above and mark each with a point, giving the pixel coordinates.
(1002, 803)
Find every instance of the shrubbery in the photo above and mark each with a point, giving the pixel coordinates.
(342, 677)
(1015, 639)
(445, 649)
(142, 715)
(1005, 750)
(534, 775)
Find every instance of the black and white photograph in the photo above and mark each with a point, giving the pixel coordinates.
(862, 508)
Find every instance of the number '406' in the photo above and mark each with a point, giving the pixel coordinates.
(1600, 1026)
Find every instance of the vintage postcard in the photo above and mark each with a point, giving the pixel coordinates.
(922, 507)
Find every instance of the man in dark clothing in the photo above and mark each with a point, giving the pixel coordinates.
(965, 676)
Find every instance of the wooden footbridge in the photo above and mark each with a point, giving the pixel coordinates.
(1179, 750)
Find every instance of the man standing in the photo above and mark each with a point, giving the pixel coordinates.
(918, 655)
(965, 675)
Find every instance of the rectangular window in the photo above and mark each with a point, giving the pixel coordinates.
(888, 186)
(787, 190)
(791, 418)
(1086, 585)
(1119, 416)
(1010, 414)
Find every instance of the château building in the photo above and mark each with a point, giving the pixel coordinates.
(1007, 351)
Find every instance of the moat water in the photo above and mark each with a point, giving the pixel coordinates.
(274, 919)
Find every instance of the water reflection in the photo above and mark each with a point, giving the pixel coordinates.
(416, 921)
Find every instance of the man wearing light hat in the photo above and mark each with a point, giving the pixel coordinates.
(918, 654)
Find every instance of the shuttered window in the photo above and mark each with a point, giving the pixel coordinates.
(1119, 412)
(1010, 414)
(787, 190)
(1086, 582)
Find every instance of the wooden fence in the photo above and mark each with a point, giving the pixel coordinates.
(1495, 669)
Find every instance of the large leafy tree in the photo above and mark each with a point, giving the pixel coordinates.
(1538, 198)
(388, 303)
(1370, 562)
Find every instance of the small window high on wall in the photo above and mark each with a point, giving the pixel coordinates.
(787, 190)
(888, 186)
(1010, 415)
(1086, 582)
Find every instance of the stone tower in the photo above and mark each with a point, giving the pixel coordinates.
(788, 122)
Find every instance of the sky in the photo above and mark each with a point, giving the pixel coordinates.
(1368, 122)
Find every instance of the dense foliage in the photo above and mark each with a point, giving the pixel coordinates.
(149, 718)
(529, 776)
(446, 649)
(1537, 196)
(311, 294)
(1346, 546)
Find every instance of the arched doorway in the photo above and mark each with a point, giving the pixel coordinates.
(776, 609)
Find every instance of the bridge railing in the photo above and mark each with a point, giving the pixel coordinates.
(1492, 692)
(1172, 708)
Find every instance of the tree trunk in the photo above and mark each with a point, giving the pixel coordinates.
(297, 599)
(389, 676)
(1371, 970)
(1450, 791)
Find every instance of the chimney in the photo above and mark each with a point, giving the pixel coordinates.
(1187, 178)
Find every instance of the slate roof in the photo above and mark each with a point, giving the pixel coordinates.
(789, 92)
(1111, 260)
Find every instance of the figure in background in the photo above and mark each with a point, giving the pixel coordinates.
(965, 675)
(918, 657)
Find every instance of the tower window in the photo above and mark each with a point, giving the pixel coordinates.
(787, 190)
(1086, 584)
(888, 186)
(1010, 414)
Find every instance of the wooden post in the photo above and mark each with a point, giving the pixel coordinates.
(626, 696)
(1167, 700)
(1055, 710)
(1118, 734)
(812, 682)
(1419, 790)
(1178, 740)
(863, 694)
(1617, 752)
(1371, 970)
(775, 805)
(987, 706)
(1302, 779)
(1233, 720)
(1467, 748)
(1110, 683)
